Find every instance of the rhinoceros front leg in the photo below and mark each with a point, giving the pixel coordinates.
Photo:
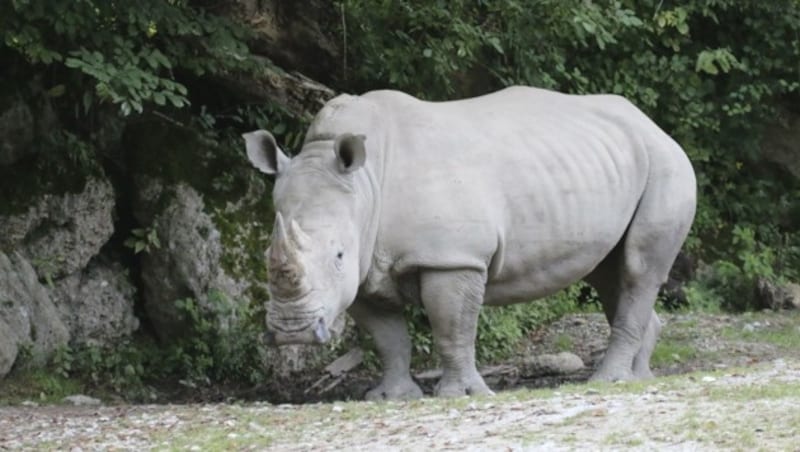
(388, 329)
(452, 300)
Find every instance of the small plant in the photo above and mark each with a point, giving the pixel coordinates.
(730, 283)
(668, 352)
(143, 239)
(564, 343)
(218, 352)
(500, 329)
(62, 361)
(46, 268)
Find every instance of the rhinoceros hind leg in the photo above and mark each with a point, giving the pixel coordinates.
(641, 362)
(453, 300)
(628, 281)
(388, 329)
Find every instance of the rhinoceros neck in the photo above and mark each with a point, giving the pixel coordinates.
(359, 115)
(369, 181)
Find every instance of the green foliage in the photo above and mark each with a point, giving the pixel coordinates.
(500, 329)
(213, 354)
(710, 72)
(129, 52)
(219, 352)
(669, 352)
(99, 64)
(729, 283)
(37, 385)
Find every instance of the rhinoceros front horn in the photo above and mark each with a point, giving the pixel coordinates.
(286, 267)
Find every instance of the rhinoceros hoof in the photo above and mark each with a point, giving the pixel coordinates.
(459, 388)
(613, 375)
(407, 390)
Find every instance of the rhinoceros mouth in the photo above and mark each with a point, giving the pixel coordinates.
(314, 331)
(293, 321)
(291, 299)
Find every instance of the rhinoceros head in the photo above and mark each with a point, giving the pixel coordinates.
(314, 253)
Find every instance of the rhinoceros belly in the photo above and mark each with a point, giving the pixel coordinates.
(562, 213)
(534, 188)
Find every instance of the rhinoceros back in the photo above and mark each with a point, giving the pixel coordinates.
(532, 186)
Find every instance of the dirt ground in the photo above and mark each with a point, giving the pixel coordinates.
(725, 383)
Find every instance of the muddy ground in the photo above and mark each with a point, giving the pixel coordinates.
(689, 342)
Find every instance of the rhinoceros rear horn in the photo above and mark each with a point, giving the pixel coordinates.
(351, 152)
(298, 237)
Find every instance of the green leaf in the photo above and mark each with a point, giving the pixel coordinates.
(57, 91)
(73, 63)
(159, 99)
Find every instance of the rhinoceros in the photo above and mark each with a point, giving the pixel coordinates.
(498, 199)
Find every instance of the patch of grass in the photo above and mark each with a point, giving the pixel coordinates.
(623, 439)
(786, 337)
(727, 433)
(775, 390)
(563, 343)
(671, 351)
(37, 386)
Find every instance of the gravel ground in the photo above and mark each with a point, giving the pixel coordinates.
(754, 408)
(746, 397)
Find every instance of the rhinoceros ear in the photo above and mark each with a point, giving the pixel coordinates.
(264, 153)
(350, 152)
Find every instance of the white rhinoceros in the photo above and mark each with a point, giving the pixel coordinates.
(498, 199)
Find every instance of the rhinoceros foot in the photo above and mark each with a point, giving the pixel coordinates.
(395, 390)
(613, 375)
(457, 387)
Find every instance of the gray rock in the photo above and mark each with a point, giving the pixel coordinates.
(97, 303)
(28, 317)
(81, 400)
(60, 233)
(777, 296)
(793, 296)
(53, 287)
(186, 265)
(548, 364)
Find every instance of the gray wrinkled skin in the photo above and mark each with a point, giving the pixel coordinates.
(493, 200)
